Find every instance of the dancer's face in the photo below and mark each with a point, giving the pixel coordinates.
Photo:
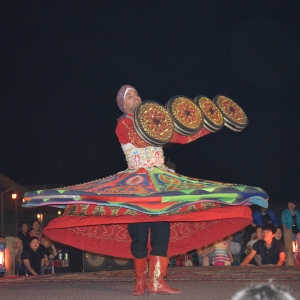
(131, 101)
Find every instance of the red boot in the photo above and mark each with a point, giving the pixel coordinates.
(158, 266)
(140, 268)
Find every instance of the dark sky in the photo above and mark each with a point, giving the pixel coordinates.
(62, 63)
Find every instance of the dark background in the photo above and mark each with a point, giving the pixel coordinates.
(62, 63)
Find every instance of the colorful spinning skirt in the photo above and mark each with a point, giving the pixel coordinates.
(97, 212)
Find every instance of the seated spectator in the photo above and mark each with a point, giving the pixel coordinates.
(23, 234)
(35, 228)
(271, 250)
(18, 252)
(266, 219)
(172, 261)
(238, 236)
(182, 260)
(255, 236)
(18, 256)
(49, 249)
(205, 255)
(33, 257)
(235, 247)
(222, 255)
(278, 234)
(257, 217)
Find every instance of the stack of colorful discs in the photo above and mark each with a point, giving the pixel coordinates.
(213, 119)
(234, 116)
(188, 118)
(153, 123)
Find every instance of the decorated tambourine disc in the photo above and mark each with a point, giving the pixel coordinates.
(188, 118)
(234, 116)
(153, 123)
(213, 119)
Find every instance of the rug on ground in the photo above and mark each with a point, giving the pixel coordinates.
(257, 274)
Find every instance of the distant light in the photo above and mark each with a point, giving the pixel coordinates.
(294, 247)
(14, 196)
(38, 216)
(2, 259)
(59, 212)
(23, 200)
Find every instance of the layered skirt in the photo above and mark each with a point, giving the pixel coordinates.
(96, 213)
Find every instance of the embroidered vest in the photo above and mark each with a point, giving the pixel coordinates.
(146, 157)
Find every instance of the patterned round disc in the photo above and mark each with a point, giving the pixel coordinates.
(212, 114)
(188, 118)
(233, 114)
(153, 123)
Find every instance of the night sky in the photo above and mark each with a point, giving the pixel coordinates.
(62, 63)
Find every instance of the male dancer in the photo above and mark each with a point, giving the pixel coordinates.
(146, 179)
(136, 150)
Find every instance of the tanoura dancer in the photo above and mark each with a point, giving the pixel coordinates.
(148, 211)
